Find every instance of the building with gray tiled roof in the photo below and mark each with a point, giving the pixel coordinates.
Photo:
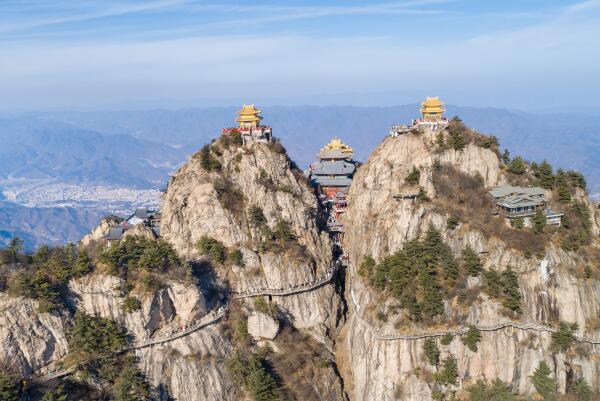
(523, 202)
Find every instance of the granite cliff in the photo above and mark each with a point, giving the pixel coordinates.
(262, 283)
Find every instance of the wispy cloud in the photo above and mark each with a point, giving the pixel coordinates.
(584, 5)
(97, 11)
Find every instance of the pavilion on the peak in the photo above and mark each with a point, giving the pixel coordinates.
(249, 126)
(432, 117)
(331, 176)
(432, 109)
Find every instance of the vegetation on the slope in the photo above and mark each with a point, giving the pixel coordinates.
(254, 373)
(431, 351)
(563, 338)
(413, 177)
(496, 391)
(471, 338)
(459, 136)
(10, 388)
(448, 374)
(504, 287)
(44, 275)
(418, 275)
(543, 382)
(95, 345)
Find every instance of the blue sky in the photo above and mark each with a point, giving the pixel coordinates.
(530, 55)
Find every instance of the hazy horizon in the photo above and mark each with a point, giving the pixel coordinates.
(133, 55)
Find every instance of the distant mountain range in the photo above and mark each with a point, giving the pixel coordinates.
(37, 226)
(567, 140)
(138, 149)
(37, 148)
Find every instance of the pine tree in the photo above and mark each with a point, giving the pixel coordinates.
(439, 140)
(471, 338)
(506, 156)
(260, 383)
(582, 390)
(517, 166)
(564, 192)
(13, 250)
(577, 179)
(432, 352)
(130, 386)
(9, 390)
(543, 383)
(284, 232)
(512, 295)
(497, 391)
(539, 221)
(58, 395)
(545, 176)
(471, 261)
(449, 371)
(256, 216)
(413, 177)
(83, 264)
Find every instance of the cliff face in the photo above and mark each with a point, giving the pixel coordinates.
(29, 340)
(256, 176)
(335, 351)
(378, 224)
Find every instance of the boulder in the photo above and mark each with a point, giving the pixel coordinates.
(262, 326)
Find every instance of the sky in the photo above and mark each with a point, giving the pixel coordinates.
(106, 54)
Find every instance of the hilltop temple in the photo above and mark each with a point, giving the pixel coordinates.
(432, 110)
(250, 127)
(432, 116)
(331, 176)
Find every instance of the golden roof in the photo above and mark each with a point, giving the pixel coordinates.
(249, 114)
(337, 144)
(432, 105)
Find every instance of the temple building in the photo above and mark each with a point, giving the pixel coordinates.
(331, 176)
(432, 109)
(250, 127)
(432, 117)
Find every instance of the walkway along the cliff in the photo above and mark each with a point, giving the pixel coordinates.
(214, 316)
(218, 313)
(533, 326)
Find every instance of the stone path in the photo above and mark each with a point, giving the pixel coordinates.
(212, 317)
(533, 326)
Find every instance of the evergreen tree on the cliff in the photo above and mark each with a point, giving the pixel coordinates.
(512, 295)
(432, 352)
(9, 390)
(539, 221)
(517, 166)
(582, 390)
(449, 372)
(58, 395)
(544, 175)
(506, 156)
(261, 384)
(471, 261)
(544, 384)
(13, 250)
(564, 192)
(497, 391)
(130, 386)
(577, 179)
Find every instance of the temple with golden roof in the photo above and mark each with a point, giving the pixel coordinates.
(432, 117)
(432, 109)
(249, 125)
(331, 176)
